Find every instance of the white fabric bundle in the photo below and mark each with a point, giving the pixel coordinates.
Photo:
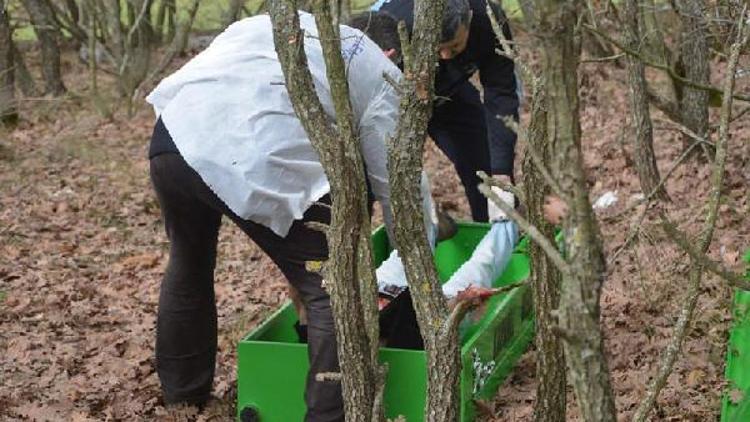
(486, 264)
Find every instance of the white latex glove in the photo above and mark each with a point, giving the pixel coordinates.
(495, 213)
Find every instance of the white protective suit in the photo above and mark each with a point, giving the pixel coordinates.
(231, 119)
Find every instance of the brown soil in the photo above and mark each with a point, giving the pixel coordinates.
(82, 251)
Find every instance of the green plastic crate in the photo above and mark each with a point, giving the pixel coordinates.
(735, 406)
(272, 366)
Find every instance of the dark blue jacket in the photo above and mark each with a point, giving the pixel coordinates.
(496, 74)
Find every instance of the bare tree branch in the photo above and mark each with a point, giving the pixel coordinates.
(339, 154)
(670, 71)
(537, 159)
(734, 279)
(462, 306)
(647, 198)
(717, 179)
(533, 232)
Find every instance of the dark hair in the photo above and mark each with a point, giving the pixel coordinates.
(381, 28)
(457, 13)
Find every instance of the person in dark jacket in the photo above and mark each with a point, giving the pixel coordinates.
(468, 127)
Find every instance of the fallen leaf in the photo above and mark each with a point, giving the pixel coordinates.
(731, 258)
(695, 377)
(142, 261)
(736, 396)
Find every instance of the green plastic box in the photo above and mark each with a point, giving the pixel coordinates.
(735, 406)
(272, 365)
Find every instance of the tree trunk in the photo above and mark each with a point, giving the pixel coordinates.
(160, 20)
(338, 149)
(176, 47)
(341, 10)
(182, 35)
(545, 277)
(92, 22)
(593, 43)
(114, 29)
(233, 12)
(643, 148)
(164, 25)
(652, 34)
(8, 108)
(694, 57)
(68, 19)
(171, 22)
(73, 10)
(136, 59)
(582, 281)
(48, 35)
(438, 327)
(22, 75)
(703, 241)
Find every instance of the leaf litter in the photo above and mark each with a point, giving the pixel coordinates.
(82, 251)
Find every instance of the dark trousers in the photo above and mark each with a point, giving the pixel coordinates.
(186, 336)
(458, 127)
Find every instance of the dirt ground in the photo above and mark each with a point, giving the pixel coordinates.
(82, 251)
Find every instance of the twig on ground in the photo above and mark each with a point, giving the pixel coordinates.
(740, 114)
(696, 272)
(672, 125)
(641, 280)
(634, 230)
(671, 353)
(734, 279)
(647, 199)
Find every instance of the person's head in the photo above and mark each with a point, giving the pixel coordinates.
(455, 29)
(382, 29)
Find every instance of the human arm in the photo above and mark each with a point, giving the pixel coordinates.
(487, 262)
(377, 126)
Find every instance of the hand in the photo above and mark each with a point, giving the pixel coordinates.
(475, 294)
(475, 297)
(555, 209)
(383, 302)
(496, 213)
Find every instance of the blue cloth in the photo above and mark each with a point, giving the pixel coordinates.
(489, 133)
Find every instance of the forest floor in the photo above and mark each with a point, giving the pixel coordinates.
(82, 251)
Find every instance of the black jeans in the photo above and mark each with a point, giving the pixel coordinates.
(458, 127)
(186, 338)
